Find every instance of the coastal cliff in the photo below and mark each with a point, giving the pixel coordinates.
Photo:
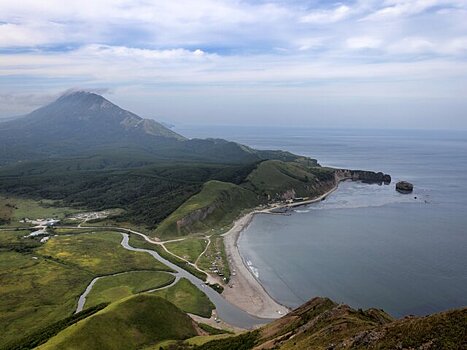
(219, 203)
(362, 175)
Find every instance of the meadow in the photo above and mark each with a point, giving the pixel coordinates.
(189, 249)
(112, 288)
(41, 282)
(188, 298)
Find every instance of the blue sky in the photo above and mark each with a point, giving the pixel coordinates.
(383, 64)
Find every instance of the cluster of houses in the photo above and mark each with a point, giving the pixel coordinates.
(40, 225)
(215, 266)
(94, 215)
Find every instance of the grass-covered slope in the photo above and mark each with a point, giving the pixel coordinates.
(188, 298)
(277, 180)
(322, 324)
(216, 205)
(41, 282)
(112, 288)
(98, 253)
(133, 323)
(189, 249)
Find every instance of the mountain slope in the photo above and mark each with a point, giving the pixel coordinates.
(76, 123)
(83, 123)
(322, 324)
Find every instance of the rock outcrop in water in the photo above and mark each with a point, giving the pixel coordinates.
(404, 187)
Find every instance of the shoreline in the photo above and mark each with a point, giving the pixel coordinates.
(244, 289)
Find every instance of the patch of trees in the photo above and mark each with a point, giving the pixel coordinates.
(148, 194)
(24, 246)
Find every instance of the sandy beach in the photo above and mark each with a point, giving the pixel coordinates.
(244, 290)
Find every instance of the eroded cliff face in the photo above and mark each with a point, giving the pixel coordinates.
(289, 194)
(195, 216)
(362, 175)
(319, 187)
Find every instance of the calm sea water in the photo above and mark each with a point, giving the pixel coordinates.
(367, 245)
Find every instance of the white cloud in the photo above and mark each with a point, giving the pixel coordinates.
(327, 16)
(420, 45)
(28, 34)
(304, 44)
(456, 46)
(241, 45)
(412, 45)
(363, 42)
(115, 52)
(394, 9)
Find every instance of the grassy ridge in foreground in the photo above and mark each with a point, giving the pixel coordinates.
(39, 337)
(322, 324)
(133, 323)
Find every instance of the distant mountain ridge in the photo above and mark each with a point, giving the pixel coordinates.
(84, 123)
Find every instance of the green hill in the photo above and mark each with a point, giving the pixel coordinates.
(217, 205)
(132, 323)
(278, 180)
(188, 298)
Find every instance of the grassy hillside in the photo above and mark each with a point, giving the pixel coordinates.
(188, 298)
(99, 253)
(41, 282)
(217, 205)
(113, 288)
(273, 179)
(133, 323)
(189, 249)
(322, 324)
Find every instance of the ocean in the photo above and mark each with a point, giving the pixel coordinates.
(366, 245)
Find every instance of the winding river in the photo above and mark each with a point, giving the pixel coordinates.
(82, 298)
(226, 311)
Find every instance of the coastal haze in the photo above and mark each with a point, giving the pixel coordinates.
(366, 245)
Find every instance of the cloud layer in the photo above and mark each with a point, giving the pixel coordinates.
(292, 51)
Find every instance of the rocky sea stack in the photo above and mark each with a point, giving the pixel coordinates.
(404, 187)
